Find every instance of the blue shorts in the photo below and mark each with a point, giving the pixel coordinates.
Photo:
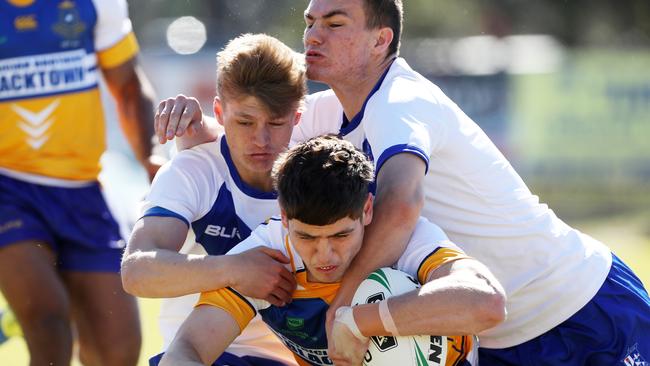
(612, 329)
(75, 222)
(228, 359)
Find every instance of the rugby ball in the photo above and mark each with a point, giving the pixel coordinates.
(404, 350)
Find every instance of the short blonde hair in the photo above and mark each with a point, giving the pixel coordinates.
(261, 66)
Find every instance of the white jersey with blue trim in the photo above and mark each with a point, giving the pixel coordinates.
(201, 187)
(549, 270)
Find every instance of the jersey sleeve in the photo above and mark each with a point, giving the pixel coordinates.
(322, 115)
(115, 41)
(243, 308)
(239, 307)
(402, 119)
(428, 249)
(262, 236)
(185, 187)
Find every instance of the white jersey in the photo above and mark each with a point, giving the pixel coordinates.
(549, 270)
(202, 188)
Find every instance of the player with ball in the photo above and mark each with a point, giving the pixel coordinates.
(323, 192)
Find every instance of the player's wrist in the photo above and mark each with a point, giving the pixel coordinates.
(345, 316)
(225, 269)
(387, 319)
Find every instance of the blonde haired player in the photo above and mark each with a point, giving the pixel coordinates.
(221, 191)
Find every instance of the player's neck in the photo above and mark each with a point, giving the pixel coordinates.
(352, 92)
(260, 181)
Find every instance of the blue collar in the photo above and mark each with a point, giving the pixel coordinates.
(247, 189)
(348, 126)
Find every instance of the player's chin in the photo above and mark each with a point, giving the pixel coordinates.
(328, 275)
(316, 73)
(261, 164)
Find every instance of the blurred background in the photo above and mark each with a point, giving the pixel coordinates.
(562, 87)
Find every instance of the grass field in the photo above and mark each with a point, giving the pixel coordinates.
(628, 236)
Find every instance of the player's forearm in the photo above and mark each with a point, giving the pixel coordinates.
(394, 219)
(203, 337)
(443, 306)
(165, 273)
(174, 359)
(177, 355)
(135, 99)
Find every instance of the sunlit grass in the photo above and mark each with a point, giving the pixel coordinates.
(14, 351)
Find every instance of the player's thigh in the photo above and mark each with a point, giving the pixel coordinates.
(106, 316)
(31, 285)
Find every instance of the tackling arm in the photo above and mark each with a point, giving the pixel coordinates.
(152, 266)
(398, 202)
(202, 338)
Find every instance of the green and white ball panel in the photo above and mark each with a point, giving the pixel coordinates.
(421, 350)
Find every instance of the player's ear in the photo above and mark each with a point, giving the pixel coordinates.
(383, 40)
(297, 117)
(217, 107)
(367, 210)
(283, 215)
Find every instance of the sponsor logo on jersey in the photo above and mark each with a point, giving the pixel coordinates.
(25, 23)
(222, 231)
(634, 358)
(295, 323)
(69, 24)
(60, 72)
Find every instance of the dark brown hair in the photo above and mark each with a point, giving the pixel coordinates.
(386, 13)
(322, 180)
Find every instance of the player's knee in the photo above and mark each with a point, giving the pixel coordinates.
(125, 353)
(51, 318)
(121, 350)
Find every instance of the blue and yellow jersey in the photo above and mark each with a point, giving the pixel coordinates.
(301, 324)
(51, 53)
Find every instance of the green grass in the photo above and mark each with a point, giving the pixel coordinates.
(628, 236)
(14, 351)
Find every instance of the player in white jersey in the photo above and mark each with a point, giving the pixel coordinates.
(549, 270)
(222, 190)
(432, 159)
(323, 191)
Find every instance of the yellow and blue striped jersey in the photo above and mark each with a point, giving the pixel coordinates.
(301, 324)
(51, 53)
